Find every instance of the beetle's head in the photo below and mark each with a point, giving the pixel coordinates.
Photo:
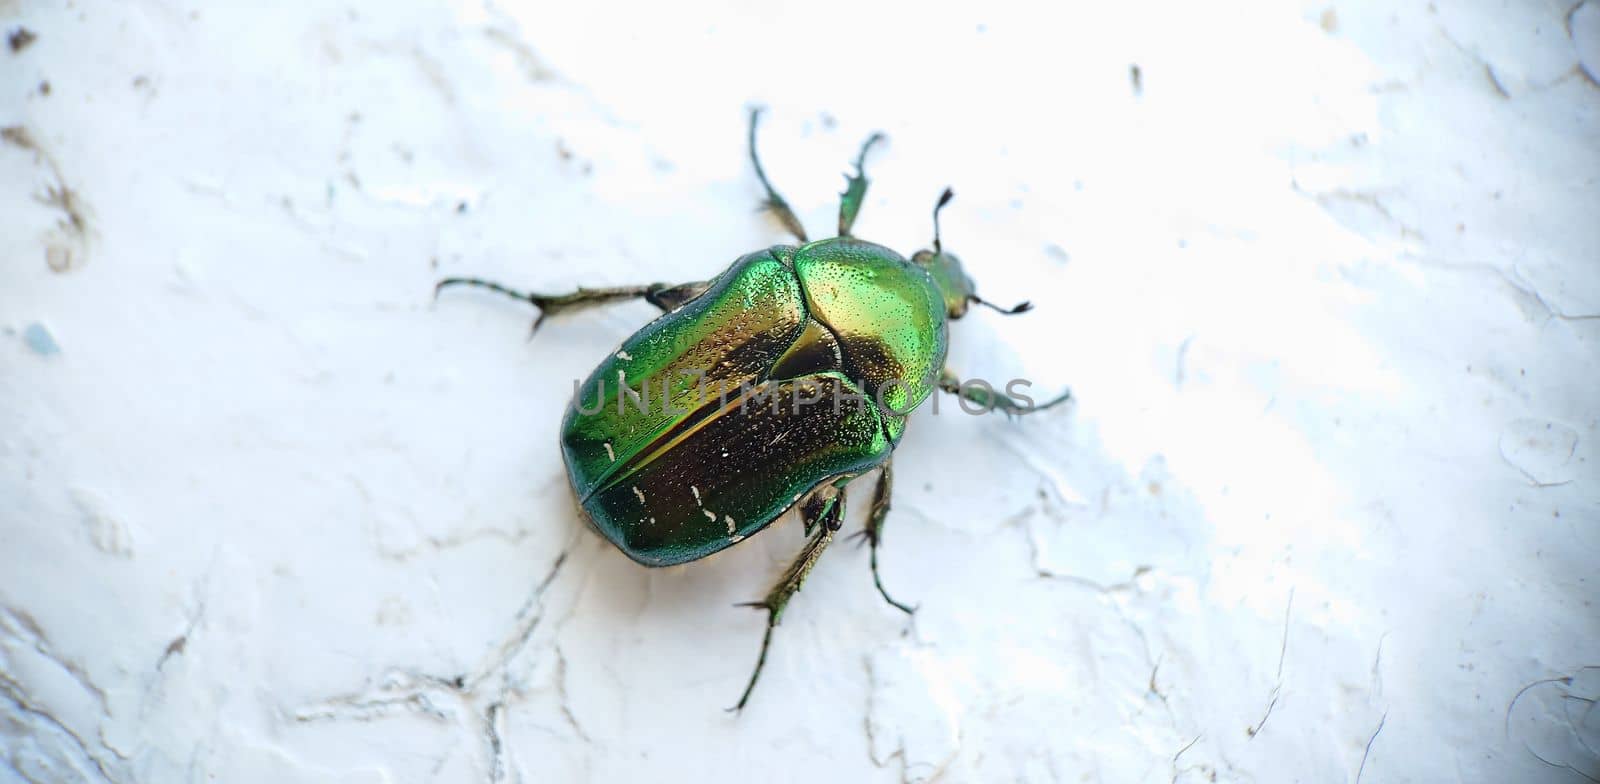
(952, 280)
(947, 273)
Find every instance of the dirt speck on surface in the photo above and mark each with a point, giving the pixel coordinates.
(71, 240)
(20, 39)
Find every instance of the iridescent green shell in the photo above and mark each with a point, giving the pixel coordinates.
(672, 465)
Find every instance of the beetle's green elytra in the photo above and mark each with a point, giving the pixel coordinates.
(669, 488)
(768, 387)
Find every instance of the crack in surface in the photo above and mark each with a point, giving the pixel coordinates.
(1368, 751)
(1572, 728)
(566, 703)
(429, 543)
(1277, 690)
(74, 222)
(14, 694)
(178, 644)
(1326, 199)
(1495, 82)
(17, 624)
(443, 698)
(1177, 771)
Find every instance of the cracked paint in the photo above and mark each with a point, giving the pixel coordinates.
(1322, 286)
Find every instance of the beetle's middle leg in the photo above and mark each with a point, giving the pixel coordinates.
(873, 533)
(989, 399)
(665, 296)
(824, 511)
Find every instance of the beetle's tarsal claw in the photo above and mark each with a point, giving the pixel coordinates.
(1014, 410)
(761, 661)
(1065, 396)
(1021, 307)
(855, 188)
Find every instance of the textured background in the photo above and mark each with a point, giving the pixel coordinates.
(1326, 284)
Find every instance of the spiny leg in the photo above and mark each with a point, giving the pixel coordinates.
(874, 531)
(824, 511)
(774, 202)
(664, 296)
(990, 399)
(855, 189)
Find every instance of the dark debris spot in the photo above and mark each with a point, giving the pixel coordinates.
(19, 136)
(20, 39)
(1136, 77)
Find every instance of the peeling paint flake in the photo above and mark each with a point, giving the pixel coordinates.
(39, 340)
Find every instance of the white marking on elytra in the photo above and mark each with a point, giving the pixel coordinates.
(735, 539)
(696, 492)
(652, 521)
(622, 381)
(623, 354)
(611, 453)
(639, 493)
(710, 515)
(732, 526)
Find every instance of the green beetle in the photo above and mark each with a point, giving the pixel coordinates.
(772, 385)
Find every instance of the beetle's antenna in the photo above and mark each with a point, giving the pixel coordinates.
(944, 199)
(1021, 307)
(488, 284)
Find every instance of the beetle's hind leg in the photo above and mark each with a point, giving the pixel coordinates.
(824, 511)
(873, 533)
(774, 202)
(855, 189)
(664, 296)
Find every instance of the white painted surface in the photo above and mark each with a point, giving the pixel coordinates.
(1326, 291)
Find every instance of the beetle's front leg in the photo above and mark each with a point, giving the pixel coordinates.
(824, 511)
(988, 399)
(774, 202)
(662, 295)
(855, 189)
